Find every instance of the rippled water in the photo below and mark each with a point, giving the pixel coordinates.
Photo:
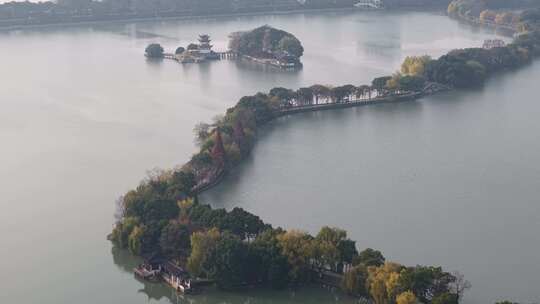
(447, 180)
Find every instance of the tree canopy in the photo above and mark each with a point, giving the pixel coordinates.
(154, 50)
(265, 41)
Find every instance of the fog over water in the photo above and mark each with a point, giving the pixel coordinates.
(449, 180)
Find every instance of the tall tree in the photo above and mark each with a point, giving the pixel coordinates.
(154, 50)
(202, 243)
(297, 247)
(369, 257)
(406, 297)
(459, 285)
(218, 150)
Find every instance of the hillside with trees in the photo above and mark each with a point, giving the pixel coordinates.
(236, 249)
(266, 42)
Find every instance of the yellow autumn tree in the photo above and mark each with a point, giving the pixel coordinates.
(392, 286)
(382, 282)
(297, 246)
(415, 65)
(135, 240)
(406, 297)
(202, 243)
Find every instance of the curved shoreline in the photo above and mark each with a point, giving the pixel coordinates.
(198, 189)
(227, 142)
(508, 30)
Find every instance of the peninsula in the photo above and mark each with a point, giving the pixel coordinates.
(189, 244)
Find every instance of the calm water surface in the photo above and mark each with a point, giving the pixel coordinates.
(448, 180)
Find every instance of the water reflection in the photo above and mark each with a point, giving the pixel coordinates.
(124, 260)
(160, 292)
(296, 133)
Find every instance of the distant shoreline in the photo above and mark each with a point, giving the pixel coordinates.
(190, 17)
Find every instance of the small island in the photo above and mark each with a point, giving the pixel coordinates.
(265, 45)
(269, 46)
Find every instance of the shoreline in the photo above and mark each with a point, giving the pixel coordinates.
(184, 18)
(408, 97)
(508, 30)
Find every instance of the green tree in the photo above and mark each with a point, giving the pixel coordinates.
(415, 65)
(175, 240)
(202, 243)
(369, 257)
(135, 240)
(339, 93)
(305, 96)
(412, 83)
(285, 96)
(334, 248)
(297, 247)
(291, 45)
(426, 282)
(122, 230)
(230, 263)
(275, 267)
(179, 50)
(320, 91)
(202, 132)
(379, 84)
(445, 298)
(354, 281)
(242, 223)
(154, 50)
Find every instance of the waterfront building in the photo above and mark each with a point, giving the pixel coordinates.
(204, 44)
(493, 43)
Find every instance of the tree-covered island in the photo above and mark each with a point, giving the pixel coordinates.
(268, 45)
(163, 220)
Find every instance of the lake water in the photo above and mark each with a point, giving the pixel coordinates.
(449, 180)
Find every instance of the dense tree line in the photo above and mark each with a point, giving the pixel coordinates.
(64, 11)
(499, 13)
(471, 67)
(237, 249)
(265, 42)
(394, 283)
(474, 8)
